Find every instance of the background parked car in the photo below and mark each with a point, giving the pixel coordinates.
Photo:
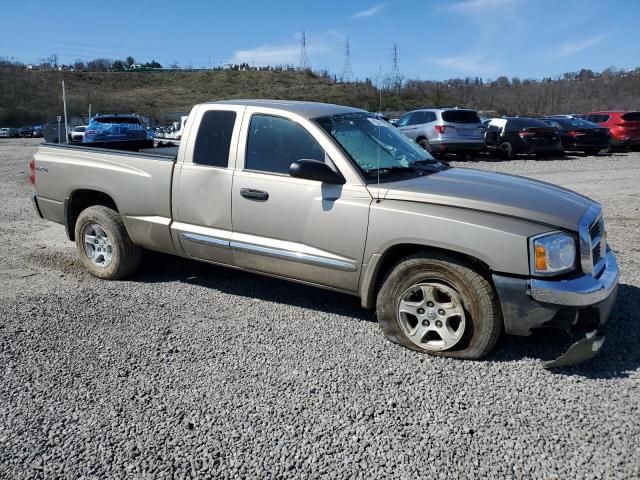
(26, 132)
(579, 135)
(521, 135)
(623, 126)
(450, 130)
(8, 132)
(76, 135)
(118, 131)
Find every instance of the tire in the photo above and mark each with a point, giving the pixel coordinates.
(424, 143)
(469, 292)
(114, 255)
(507, 150)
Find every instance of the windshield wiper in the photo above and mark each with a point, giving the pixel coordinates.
(383, 170)
(431, 164)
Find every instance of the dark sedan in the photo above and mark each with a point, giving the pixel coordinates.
(579, 135)
(511, 136)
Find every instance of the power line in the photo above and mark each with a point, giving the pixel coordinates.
(347, 73)
(304, 58)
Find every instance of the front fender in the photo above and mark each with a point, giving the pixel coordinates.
(500, 242)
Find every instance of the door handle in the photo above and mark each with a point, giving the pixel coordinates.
(252, 194)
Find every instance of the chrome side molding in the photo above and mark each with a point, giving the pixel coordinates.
(205, 239)
(284, 254)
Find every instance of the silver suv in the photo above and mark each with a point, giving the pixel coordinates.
(444, 130)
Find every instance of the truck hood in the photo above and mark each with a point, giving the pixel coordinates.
(497, 193)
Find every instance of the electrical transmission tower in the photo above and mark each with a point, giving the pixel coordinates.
(347, 73)
(304, 58)
(396, 79)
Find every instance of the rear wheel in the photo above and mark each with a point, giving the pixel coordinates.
(506, 149)
(424, 143)
(437, 304)
(103, 244)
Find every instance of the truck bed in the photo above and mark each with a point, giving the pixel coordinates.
(138, 184)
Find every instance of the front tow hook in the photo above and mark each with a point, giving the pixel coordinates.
(580, 351)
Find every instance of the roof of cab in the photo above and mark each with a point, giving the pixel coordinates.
(304, 109)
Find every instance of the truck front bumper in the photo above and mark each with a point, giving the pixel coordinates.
(580, 302)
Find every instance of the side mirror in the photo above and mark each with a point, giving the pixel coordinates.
(315, 170)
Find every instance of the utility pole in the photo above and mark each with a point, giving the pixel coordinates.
(304, 58)
(395, 69)
(347, 73)
(64, 102)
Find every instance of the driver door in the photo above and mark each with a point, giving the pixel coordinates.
(292, 227)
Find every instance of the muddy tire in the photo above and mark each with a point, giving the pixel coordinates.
(440, 305)
(103, 244)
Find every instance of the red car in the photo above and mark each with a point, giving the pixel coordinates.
(623, 126)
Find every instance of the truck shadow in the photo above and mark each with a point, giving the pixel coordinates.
(619, 358)
(157, 267)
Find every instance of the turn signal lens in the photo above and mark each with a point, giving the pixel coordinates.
(541, 259)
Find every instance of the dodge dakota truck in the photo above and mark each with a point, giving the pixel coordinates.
(334, 197)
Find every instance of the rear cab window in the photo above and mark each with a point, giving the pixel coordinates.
(460, 116)
(213, 140)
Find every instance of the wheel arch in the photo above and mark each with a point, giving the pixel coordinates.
(380, 264)
(79, 200)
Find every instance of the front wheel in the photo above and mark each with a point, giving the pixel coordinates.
(103, 244)
(438, 304)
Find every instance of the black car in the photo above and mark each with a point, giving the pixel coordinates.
(579, 135)
(26, 132)
(521, 135)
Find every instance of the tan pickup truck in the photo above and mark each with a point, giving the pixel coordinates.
(334, 197)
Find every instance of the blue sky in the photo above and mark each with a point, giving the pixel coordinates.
(436, 39)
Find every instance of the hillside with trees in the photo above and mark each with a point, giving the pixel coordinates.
(32, 96)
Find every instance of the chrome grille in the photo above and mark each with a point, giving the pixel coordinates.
(596, 234)
(593, 241)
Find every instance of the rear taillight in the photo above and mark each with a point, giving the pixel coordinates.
(525, 133)
(32, 169)
(575, 133)
(440, 129)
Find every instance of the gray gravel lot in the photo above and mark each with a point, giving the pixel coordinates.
(191, 370)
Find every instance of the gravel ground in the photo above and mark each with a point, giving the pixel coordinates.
(192, 370)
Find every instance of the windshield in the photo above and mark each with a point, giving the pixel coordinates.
(376, 147)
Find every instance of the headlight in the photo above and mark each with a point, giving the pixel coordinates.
(552, 254)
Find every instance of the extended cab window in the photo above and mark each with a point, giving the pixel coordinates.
(214, 138)
(274, 143)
